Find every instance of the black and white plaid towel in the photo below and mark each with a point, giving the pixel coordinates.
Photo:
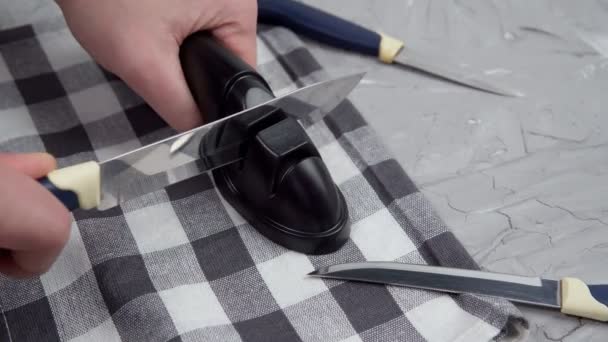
(181, 264)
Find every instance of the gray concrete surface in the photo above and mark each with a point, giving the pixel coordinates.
(522, 182)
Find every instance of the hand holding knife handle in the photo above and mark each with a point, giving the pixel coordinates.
(215, 77)
(328, 28)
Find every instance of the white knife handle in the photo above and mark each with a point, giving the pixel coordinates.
(77, 186)
(389, 48)
(579, 300)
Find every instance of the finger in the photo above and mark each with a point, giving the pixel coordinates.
(34, 225)
(242, 44)
(35, 165)
(25, 264)
(10, 268)
(240, 35)
(236, 29)
(157, 76)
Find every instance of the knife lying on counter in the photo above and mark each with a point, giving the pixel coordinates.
(340, 33)
(220, 82)
(570, 295)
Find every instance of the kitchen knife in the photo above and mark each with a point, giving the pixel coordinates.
(338, 32)
(570, 295)
(208, 70)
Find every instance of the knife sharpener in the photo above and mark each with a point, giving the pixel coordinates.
(281, 185)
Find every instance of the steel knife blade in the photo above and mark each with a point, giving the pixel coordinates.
(105, 184)
(341, 33)
(416, 60)
(571, 295)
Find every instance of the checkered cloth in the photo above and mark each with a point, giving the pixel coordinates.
(181, 264)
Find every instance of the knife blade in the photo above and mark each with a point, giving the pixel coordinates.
(416, 60)
(103, 185)
(338, 32)
(571, 295)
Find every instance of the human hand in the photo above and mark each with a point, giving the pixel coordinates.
(34, 226)
(139, 41)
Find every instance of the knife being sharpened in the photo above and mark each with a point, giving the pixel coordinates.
(340, 33)
(570, 295)
(220, 82)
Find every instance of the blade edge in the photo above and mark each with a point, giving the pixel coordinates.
(545, 294)
(409, 59)
(350, 79)
(118, 172)
(389, 265)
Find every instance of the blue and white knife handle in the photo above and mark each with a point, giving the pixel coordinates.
(582, 300)
(328, 28)
(77, 186)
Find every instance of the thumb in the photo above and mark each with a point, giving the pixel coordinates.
(157, 77)
(34, 226)
(35, 165)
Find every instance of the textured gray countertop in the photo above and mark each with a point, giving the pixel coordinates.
(523, 182)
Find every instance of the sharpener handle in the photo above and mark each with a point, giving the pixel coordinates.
(77, 186)
(582, 300)
(329, 29)
(220, 82)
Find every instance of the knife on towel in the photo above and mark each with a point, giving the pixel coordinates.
(212, 73)
(570, 295)
(340, 33)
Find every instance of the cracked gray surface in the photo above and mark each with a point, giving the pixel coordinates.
(522, 182)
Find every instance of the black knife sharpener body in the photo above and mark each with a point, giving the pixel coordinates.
(281, 186)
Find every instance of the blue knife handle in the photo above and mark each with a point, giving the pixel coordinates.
(67, 197)
(319, 25)
(600, 293)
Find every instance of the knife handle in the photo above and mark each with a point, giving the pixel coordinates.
(77, 186)
(582, 300)
(220, 82)
(328, 28)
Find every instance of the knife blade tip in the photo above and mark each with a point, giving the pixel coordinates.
(318, 272)
(313, 273)
(500, 91)
(504, 92)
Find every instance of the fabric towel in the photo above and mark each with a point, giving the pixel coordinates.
(181, 264)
